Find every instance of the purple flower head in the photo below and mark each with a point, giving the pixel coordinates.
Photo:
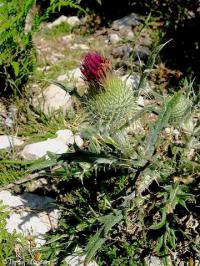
(95, 68)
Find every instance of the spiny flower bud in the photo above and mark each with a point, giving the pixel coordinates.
(95, 68)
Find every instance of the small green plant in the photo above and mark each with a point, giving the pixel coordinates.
(12, 245)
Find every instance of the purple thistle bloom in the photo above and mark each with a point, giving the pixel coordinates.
(95, 68)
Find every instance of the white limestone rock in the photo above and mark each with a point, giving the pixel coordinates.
(68, 38)
(38, 150)
(30, 214)
(153, 261)
(79, 46)
(66, 136)
(114, 38)
(130, 35)
(131, 81)
(58, 21)
(56, 145)
(52, 99)
(8, 142)
(140, 101)
(73, 76)
(9, 122)
(77, 259)
(78, 140)
(72, 21)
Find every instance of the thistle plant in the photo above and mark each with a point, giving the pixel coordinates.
(137, 191)
(109, 104)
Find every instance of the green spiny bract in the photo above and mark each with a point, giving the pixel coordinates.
(181, 115)
(180, 110)
(111, 107)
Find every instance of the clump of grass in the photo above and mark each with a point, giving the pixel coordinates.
(59, 30)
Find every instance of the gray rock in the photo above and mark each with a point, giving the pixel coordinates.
(123, 52)
(30, 214)
(41, 183)
(11, 116)
(114, 38)
(12, 110)
(57, 145)
(8, 142)
(141, 52)
(43, 69)
(53, 99)
(126, 22)
(146, 39)
(29, 22)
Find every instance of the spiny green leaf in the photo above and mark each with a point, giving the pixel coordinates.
(162, 122)
(93, 246)
(150, 64)
(15, 66)
(99, 238)
(42, 165)
(161, 223)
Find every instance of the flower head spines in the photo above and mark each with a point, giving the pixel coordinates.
(95, 68)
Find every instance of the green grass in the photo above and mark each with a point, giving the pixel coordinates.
(57, 31)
